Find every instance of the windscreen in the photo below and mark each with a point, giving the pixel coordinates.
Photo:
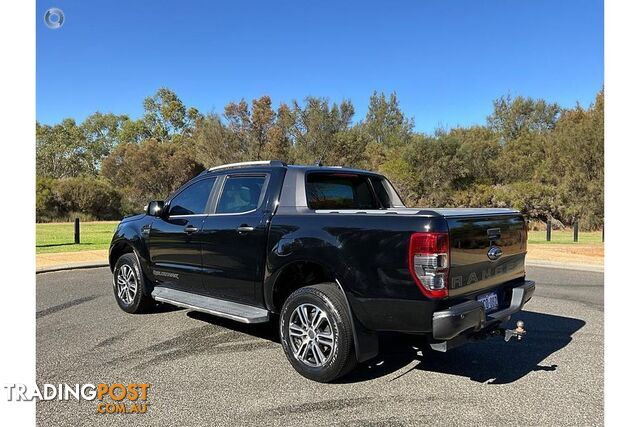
(349, 191)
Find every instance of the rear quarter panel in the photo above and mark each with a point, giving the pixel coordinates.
(367, 253)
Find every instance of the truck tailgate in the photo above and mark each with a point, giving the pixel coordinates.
(475, 240)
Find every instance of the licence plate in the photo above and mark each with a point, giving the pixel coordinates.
(490, 301)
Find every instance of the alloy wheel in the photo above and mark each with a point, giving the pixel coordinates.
(126, 284)
(311, 335)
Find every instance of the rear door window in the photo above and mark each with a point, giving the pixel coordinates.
(241, 194)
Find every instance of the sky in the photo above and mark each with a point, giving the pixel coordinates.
(446, 60)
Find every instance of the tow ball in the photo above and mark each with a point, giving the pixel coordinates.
(518, 332)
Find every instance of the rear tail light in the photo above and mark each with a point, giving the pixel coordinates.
(429, 263)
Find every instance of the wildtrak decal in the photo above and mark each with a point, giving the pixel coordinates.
(166, 274)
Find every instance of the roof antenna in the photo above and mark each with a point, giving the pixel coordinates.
(319, 163)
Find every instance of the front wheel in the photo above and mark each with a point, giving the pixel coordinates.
(128, 281)
(316, 334)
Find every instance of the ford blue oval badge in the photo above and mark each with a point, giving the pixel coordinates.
(494, 253)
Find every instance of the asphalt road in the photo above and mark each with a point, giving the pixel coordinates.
(209, 371)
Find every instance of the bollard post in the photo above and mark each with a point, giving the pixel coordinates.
(548, 230)
(76, 231)
(575, 231)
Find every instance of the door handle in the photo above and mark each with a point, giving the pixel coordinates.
(190, 229)
(245, 229)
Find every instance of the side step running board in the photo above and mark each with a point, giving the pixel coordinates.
(230, 310)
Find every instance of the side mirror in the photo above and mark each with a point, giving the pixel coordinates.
(154, 208)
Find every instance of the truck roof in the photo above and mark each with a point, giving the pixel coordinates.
(281, 164)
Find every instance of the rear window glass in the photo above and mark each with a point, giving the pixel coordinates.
(340, 191)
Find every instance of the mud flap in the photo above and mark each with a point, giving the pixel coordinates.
(366, 342)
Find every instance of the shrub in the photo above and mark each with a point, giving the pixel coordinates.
(47, 206)
(87, 197)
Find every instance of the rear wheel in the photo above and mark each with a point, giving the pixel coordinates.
(316, 334)
(128, 282)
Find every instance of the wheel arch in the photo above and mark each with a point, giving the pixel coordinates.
(305, 272)
(117, 250)
(291, 276)
(125, 246)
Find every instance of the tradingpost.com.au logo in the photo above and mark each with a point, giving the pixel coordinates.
(117, 398)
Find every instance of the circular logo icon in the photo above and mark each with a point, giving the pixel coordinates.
(494, 253)
(54, 18)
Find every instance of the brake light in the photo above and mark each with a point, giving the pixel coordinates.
(429, 263)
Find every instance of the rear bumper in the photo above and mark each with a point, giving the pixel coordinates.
(470, 316)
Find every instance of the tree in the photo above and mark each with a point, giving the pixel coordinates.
(215, 144)
(262, 118)
(531, 154)
(317, 125)
(166, 116)
(280, 135)
(575, 163)
(520, 159)
(150, 170)
(254, 126)
(513, 117)
(133, 132)
(62, 151)
(386, 123)
(479, 148)
(46, 205)
(348, 148)
(239, 118)
(436, 170)
(102, 134)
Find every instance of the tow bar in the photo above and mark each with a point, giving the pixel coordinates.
(445, 346)
(518, 332)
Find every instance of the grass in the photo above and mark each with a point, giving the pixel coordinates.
(565, 236)
(58, 237)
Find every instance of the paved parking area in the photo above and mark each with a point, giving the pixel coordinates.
(209, 371)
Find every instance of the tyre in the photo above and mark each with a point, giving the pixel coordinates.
(316, 334)
(128, 282)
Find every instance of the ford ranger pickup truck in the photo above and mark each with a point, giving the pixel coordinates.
(332, 254)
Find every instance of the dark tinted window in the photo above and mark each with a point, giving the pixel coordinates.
(193, 199)
(381, 191)
(240, 194)
(339, 191)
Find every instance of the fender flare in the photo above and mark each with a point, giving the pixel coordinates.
(147, 285)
